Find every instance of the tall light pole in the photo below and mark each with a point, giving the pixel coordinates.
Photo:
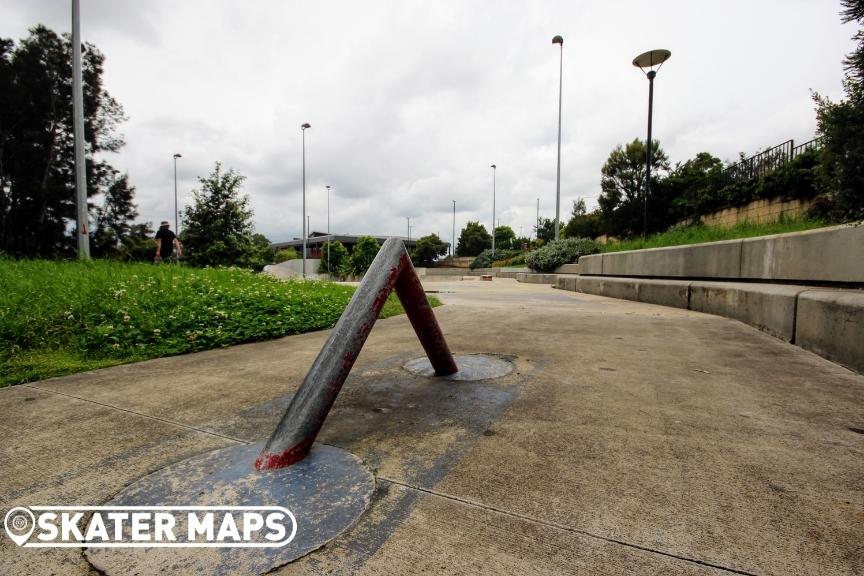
(176, 226)
(409, 228)
(537, 229)
(303, 128)
(494, 171)
(78, 125)
(559, 40)
(453, 241)
(649, 60)
(329, 239)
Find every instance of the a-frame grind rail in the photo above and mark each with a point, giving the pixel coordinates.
(390, 270)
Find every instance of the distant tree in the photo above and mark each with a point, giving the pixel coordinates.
(473, 239)
(139, 244)
(841, 124)
(363, 254)
(218, 225)
(428, 249)
(285, 254)
(334, 259)
(505, 238)
(37, 160)
(623, 184)
(582, 224)
(546, 230)
(113, 220)
(690, 189)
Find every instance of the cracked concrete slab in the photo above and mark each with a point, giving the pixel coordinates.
(630, 438)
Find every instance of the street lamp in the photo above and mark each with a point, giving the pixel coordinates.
(329, 239)
(494, 171)
(303, 128)
(176, 226)
(559, 40)
(649, 60)
(83, 215)
(453, 241)
(409, 229)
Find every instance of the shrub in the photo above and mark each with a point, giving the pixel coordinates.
(486, 257)
(364, 253)
(285, 254)
(518, 260)
(556, 253)
(334, 256)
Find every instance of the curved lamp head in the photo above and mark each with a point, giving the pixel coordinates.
(177, 156)
(558, 40)
(493, 166)
(304, 126)
(651, 59)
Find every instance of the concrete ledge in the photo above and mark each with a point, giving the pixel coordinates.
(567, 269)
(834, 254)
(536, 278)
(672, 293)
(831, 324)
(824, 255)
(592, 264)
(827, 322)
(768, 307)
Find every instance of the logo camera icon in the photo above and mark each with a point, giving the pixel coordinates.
(19, 524)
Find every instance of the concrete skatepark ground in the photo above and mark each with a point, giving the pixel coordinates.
(630, 439)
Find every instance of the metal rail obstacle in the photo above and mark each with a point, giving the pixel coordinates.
(391, 269)
(323, 489)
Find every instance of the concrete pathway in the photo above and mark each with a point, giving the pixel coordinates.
(631, 439)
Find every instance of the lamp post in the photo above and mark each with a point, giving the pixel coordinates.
(494, 171)
(453, 240)
(409, 229)
(329, 239)
(83, 215)
(649, 60)
(559, 40)
(303, 128)
(537, 229)
(176, 225)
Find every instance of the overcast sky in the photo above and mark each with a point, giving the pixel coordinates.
(411, 101)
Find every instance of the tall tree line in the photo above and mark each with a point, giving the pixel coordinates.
(37, 160)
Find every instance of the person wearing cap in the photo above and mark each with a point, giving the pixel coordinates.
(167, 245)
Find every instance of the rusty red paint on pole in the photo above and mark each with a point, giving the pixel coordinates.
(390, 270)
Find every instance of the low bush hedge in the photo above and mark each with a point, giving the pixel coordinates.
(556, 253)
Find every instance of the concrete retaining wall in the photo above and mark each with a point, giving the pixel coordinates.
(833, 254)
(827, 322)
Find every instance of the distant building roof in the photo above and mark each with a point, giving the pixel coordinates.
(316, 238)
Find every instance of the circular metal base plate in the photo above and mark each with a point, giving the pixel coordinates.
(471, 367)
(326, 492)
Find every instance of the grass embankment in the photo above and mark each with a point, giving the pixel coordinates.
(699, 234)
(62, 317)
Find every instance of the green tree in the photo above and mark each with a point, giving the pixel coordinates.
(334, 257)
(364, 253)
(217, 227)
(505, 238)
(473, 239)
(841, 124)
(582, 224)
(139, 244)
(428, 249)
(37, 160)
(285, 254)
(113, 220)
(690, 189)
(546, 230)
(623, 184)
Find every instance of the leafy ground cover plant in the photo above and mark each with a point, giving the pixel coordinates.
(60, 317)
(558, 252)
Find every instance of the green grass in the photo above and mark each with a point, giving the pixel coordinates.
(62, 317)
(699, 234)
